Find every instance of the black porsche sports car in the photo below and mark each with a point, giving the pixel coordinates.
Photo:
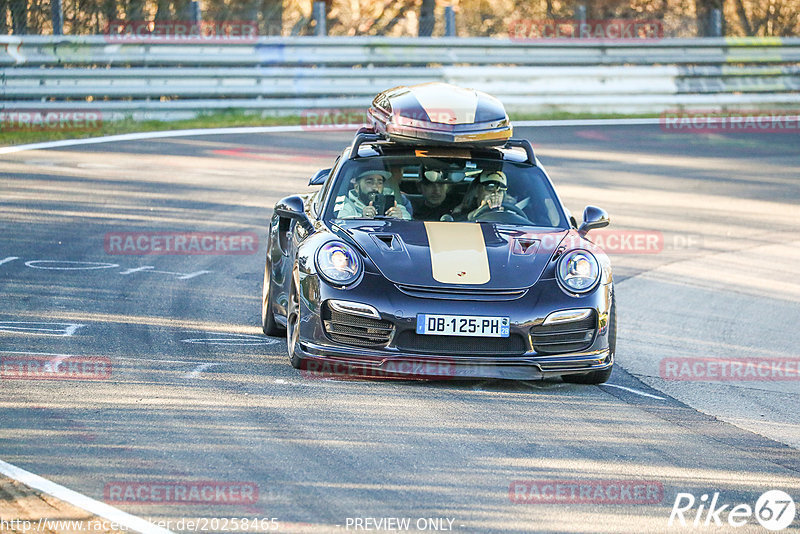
(439, 249)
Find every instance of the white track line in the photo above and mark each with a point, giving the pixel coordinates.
(125, 520)
(299, 128)
(589, 122)
(150, 135)
(156, 361)
(119, 358)
(477, 387)
(285, 129)
(199, 369)
(636, 391)
(5, 326)
(36, 353)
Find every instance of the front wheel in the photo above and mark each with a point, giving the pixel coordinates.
(268, 323)
(293, 325)
(600, 377)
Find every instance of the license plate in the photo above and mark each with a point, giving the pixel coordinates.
(462, 325)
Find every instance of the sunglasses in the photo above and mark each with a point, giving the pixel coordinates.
(494, 186)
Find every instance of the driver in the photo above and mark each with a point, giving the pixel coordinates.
(360, 199)
(490, 194)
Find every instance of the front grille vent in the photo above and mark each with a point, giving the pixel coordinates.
(356, 330)
(564, 337)
(461, 293)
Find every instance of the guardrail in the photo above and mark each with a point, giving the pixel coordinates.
(289, 75)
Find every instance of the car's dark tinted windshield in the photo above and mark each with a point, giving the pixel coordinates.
(445, 189)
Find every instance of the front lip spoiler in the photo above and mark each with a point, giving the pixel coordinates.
(342, 362)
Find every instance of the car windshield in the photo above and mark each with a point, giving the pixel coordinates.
(445, 189)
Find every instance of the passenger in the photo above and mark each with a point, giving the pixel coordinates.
(435, 201)
(359, 201)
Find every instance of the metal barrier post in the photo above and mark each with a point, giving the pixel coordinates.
(58, 17)
(715, 24)
(427, 20)
(319, 17)
(194, 12)
(449, 21)
(580, 14)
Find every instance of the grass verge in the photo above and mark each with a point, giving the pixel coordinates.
(224, 119)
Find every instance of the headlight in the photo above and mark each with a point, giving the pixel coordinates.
(338, 263)
(578, 271)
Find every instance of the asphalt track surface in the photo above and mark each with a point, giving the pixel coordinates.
(196, 393)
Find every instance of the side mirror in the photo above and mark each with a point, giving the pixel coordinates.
(320, 177)
(292, 208)
(593, 218)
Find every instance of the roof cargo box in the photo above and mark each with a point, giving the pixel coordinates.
(440, 113)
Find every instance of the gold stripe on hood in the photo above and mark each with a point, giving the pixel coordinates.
(458, 253)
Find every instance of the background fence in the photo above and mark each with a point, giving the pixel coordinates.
(404, 18)
(295, 75)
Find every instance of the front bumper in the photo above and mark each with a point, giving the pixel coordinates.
(325, 361)
(321, 356)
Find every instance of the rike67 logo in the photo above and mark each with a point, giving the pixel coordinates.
(774, 510)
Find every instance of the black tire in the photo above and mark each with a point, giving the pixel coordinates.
(293, 325)
(600, 377)
(268, 323)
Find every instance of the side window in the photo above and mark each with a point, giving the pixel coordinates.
(320, 196)
(338, 205)
(339, 193)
